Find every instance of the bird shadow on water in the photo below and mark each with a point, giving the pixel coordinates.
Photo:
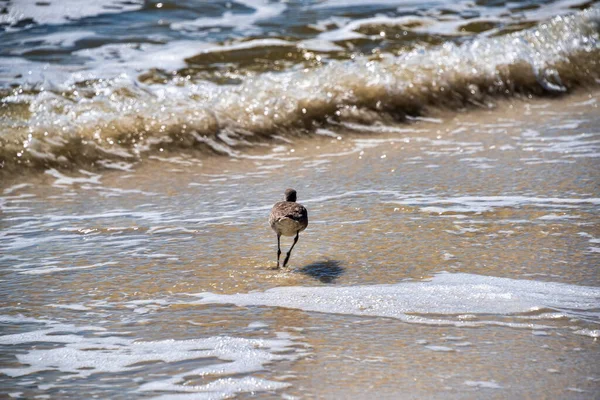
(326, 271)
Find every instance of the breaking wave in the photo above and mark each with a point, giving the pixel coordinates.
(91, 122)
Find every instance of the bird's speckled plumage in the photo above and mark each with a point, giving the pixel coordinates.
(288, 218)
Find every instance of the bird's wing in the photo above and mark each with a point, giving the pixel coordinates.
(288, 209)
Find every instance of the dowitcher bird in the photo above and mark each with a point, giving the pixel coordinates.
(288, 218)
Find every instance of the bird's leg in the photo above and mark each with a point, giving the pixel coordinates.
(278, 249)
(287, 257)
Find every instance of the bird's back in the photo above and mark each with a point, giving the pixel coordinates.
(288, 217)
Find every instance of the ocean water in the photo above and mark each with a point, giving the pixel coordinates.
(447, 153)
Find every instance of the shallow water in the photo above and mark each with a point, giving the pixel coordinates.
(482, 226)
(447, 153)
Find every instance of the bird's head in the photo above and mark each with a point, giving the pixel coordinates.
(290, 195)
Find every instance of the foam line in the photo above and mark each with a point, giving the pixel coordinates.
(447, 294)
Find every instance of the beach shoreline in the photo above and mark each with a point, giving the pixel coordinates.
(453, 244)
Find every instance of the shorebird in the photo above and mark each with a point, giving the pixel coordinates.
(288, 218)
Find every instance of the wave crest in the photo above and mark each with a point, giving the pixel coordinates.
(122, 119)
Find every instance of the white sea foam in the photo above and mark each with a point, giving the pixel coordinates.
(257, 325)
(63, 11)
(593, 333)
(63, 180)
(53, 268)
(354, 3)
(74, 307)
(22, 242)
(127, 59)
(479, 204)
(59, 40)
(573, 146)
(87, 350)
(131, 58)
(483, 384)
(556, 217)
(443, 349)
(20, 319)
(118, 165)
(430, 22)
(349, 31)
(16, 187)
(223, 389)
(446, 293)
(240, 22)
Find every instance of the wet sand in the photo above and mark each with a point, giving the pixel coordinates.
(509, 192)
